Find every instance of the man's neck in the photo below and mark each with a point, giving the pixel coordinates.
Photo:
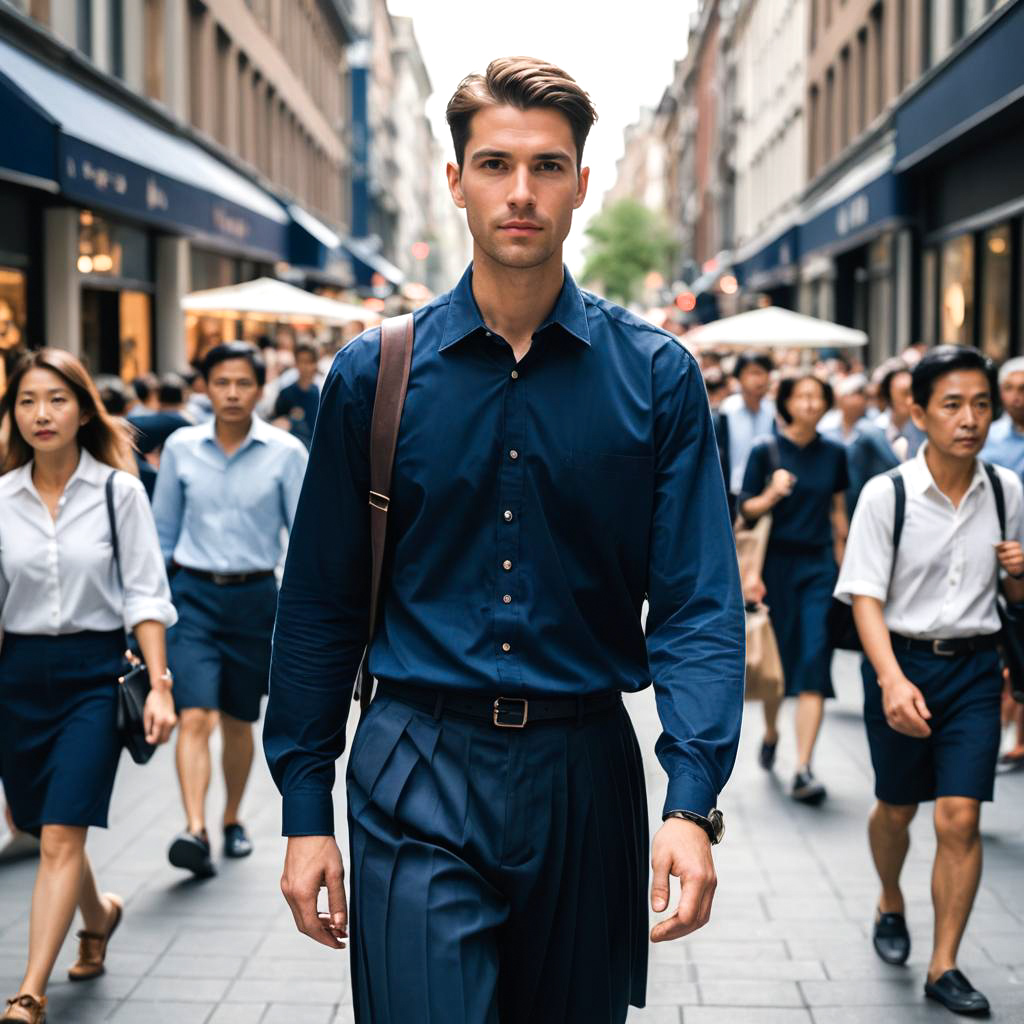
(1016, 425)
(952, 474)
(514, 302)
(231, 435)
(897, 421)
(752, 402)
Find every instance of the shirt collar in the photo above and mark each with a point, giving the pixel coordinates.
(259, 432)
(919, 477)
(464, 317)
(89, 469)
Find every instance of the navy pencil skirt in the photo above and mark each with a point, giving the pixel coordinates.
(497, 875)
(59, 747)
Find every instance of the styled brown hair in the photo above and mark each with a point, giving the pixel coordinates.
(107, 439)
(523, 82)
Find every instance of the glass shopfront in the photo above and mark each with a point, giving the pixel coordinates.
(996, 292)
(956, 291)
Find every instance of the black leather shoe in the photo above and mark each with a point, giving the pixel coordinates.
(236, 842)
(766, 759)
(956, 993)
(807, 789)
(891, 938)
(192, 853)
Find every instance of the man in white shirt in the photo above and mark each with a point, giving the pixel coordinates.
(924, 601)
(749, 413)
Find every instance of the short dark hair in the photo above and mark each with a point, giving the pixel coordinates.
(172, 390)
(525, 83)
(264, 341)
(885, 383)
(746, 359)
(788, 385)
(308, 347)
(945, 359)
(715, 379)
(234, 350)
(113, 393)
(144, 385)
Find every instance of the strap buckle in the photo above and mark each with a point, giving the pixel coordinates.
(942, 651)
(505, 716)
(382, 502)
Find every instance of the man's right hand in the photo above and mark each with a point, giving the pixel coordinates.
(312, 862)
(905, 708)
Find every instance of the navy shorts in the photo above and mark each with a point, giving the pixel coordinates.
(959, 758)
(219, 650)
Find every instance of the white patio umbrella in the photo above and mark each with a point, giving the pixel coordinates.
(774, 327)
(275, 300)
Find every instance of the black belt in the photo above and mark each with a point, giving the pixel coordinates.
(228, 579)
(503, 712)
(952, 648)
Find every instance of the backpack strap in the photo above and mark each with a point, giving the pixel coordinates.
(396, 341)
(900, 512)
(997, 493)
(112, 520)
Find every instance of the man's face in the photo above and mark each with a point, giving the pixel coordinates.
(1011, 391)
(305, 363)
(900, 398)
(233, 390)
(853, 406)
(958, 413)
(754, 382)
(519, 184)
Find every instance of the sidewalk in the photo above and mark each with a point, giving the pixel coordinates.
(788, 942)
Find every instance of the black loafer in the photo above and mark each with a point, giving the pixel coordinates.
(766, 758)
(891, 938)
(236, 842)
(956, 993)
(192, 853)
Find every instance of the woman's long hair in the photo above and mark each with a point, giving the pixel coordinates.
(107, 439)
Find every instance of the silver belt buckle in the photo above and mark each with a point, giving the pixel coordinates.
(942, 652)
(500, 708)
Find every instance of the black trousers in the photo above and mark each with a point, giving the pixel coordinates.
(497, 875)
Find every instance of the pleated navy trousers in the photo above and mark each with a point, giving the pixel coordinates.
(498, 876)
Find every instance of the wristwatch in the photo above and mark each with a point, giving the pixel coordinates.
(713, 823)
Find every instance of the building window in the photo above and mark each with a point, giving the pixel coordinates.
(878, 57)
(83, 26)
(814, 23)
(829, 119)
(996, 295)
(224, 83)
(154, 34)
(957, 291)
(862, 79)
(813, 132)
(844, 98)
(115, 26)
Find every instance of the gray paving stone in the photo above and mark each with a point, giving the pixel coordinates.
(192, 990)
(296, 968)
(283, 991)
(768, 970)
(139, 1012)
(70, 1010)
(660, 993)
(238, 1013)
(744, 1015)
(175, 965)
(654, 1015)
(282, 1013)
(749, 993)
(866, 992)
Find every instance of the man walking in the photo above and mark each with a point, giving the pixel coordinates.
(556, 464)
(748, 413)
(925, 609)
(225, 491)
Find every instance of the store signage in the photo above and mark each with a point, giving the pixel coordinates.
(103, 179)
(852, 214)
(226, 224)
(156, 197)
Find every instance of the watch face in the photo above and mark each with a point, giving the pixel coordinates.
(717, 823)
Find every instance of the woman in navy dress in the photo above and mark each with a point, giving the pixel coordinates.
(800, 478)
(63, 612)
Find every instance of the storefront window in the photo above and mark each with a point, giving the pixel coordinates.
(117, 331)
(995, 294)
(12, 320)
(957, 289)
(929, 300)
(112, 250)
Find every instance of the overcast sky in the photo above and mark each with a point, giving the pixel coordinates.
(621, 53)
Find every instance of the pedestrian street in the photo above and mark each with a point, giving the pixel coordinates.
(788, 942)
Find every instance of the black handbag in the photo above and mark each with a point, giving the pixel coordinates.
(133, 685)
(1011, 616)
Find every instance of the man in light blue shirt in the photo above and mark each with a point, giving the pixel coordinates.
(1005, 444)
(225, 492)
(749, 413)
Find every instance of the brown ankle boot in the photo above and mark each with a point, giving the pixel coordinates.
(26, 1009)
(92, 947)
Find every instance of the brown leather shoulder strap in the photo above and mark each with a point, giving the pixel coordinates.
(396, 340)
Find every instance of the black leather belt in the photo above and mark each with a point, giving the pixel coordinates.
(952, 648)
(503, 712)
(228, 579)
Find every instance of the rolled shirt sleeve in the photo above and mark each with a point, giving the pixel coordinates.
(147, 594)
(867, 562)
(695, 624)
(168, 502)
(323, 610)
(292, 473)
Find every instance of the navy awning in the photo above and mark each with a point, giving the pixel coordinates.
(59, 134)
(765, 265)
(311, 243)
(974, 83)
(367, 262)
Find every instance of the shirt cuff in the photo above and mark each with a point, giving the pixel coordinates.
(847, 591)
(688, 793)
(149, 610)
(308, 813)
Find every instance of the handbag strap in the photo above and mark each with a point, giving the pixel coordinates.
(997, 493)
(396, 341)
(112, 519)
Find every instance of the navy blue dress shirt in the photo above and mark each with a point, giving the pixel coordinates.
(533, 507)
(804, 518)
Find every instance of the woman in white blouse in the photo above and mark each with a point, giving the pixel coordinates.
(63, 613)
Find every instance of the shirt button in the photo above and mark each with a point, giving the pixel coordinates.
(487, 334)
(515, 375)
(506, 565)
(508, 515)
(507, 599)
(506, 648)
(513, 454)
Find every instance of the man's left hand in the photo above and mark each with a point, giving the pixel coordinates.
(1011, 557)
(682, 849)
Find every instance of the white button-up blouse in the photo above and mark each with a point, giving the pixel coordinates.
(59, 576)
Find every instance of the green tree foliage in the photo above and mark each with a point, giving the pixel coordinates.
(627, 242)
